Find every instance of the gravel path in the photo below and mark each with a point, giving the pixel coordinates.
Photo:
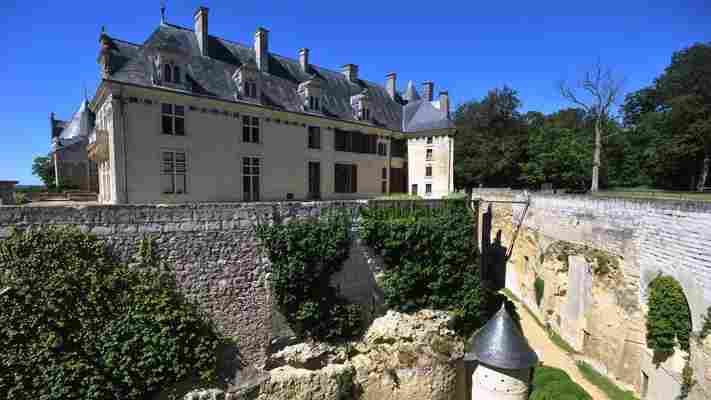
(552, 355)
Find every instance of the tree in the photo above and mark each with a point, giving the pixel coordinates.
(557, 155)
(491, 140)
(595, 93)
(43, 168)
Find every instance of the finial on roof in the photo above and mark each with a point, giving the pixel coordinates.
(162, 12)
(103, 29)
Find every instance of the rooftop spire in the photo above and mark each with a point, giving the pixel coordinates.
(411, 93)
(162, 12)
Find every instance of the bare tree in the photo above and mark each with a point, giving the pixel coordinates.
(596, 93)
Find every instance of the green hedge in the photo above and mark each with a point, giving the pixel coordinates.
(668, 319)
(304, 254)
(555, 384)
(76, 325)
(539, 286)
(430, 259)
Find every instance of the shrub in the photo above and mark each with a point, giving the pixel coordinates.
(554, 384)
(669, 318)
(430, 260)
(539, 287)
(76, 325)
(304, 254)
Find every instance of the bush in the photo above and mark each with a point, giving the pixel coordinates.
(539, 287)
(304, 254)
(669, 318)
(76, 325)
(555, 384)
(430, 260)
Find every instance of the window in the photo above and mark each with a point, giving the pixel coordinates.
(384, 187)
(356, 142)
(414, 189)
(176, 74)
(428, 156)
(429, 139)
(428, 171)
(385, 173)
(167, 73)
(173, 119)
(365, 114)
(398, 148)
(250, 89)
(346, 178)
(250, 178)
(382, 149)
(250, 129)
(428, 189)
(384, 182)
(173, 171)
(314, 137)
(314, 103)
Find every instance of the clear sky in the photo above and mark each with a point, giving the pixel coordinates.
(49, 48)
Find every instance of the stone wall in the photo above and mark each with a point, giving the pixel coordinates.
(214, 251)
(597, 257)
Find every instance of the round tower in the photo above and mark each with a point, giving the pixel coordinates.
(503, 360)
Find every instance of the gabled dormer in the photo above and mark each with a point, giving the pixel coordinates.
(362, 106)
(169, 62)
(248, 81)
(310, 93)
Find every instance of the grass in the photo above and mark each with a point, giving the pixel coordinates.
(603, 383)
(653, 194)
(399, 196)
(555, 337)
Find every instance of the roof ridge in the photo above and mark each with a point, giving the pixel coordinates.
(271, 53)
(125, 41)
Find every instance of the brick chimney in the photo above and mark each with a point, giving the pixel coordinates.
(390, 84)
(200, 19)
(351, 72)
(444, 102)
(304, 59)
(428, 90)
(261, 49)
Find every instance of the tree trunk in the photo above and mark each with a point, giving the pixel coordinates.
(596, 157)
(704, 174)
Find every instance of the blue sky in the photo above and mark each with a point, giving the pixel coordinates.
(49, 48)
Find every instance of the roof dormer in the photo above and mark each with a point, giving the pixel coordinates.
(361, 104)
(310, 95)
(248, 81)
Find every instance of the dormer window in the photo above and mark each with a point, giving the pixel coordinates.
(171, 73)
(250, 89)
(361, 106)
(314, 103)
(365, 114)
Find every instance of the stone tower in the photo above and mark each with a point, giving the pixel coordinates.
(503, 360)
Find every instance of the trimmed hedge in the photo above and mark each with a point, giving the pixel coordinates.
(430, 260)
(555, 384)
(304, 254)
(669, 318)
(77, 325)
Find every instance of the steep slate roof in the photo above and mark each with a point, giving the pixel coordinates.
(500, 344)
(213, 75)
(423, 115)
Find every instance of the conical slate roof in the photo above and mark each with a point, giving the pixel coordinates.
(500, 344)
(411, 93)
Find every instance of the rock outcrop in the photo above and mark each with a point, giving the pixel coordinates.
(400, 357)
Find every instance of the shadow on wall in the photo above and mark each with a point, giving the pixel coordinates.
(494, 255)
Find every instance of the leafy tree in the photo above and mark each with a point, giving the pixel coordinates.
(76, 325)
(596, 93)
(558, 156)
(43, 168)
(491, 140)
(668, 319)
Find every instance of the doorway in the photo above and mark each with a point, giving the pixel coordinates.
(314, 180)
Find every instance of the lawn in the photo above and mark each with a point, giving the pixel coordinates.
(653, 194)
(612, 391)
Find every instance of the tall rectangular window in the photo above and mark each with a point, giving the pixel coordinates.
(413, 191)
(250, 178)
(428, 189)
(382, 149)
(173, 119)
(429, 139)
(314, 103)
(250, 89)
(173, 171)
(250, 129)
(428, 171)
(346, 178)
(428, 156)
(314, 137)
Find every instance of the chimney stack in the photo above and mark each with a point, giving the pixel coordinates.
(444, 102)
(390, 84)
(428, 90)
(200, 19)
(261, 49)
(304, 59)
(351, 72)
